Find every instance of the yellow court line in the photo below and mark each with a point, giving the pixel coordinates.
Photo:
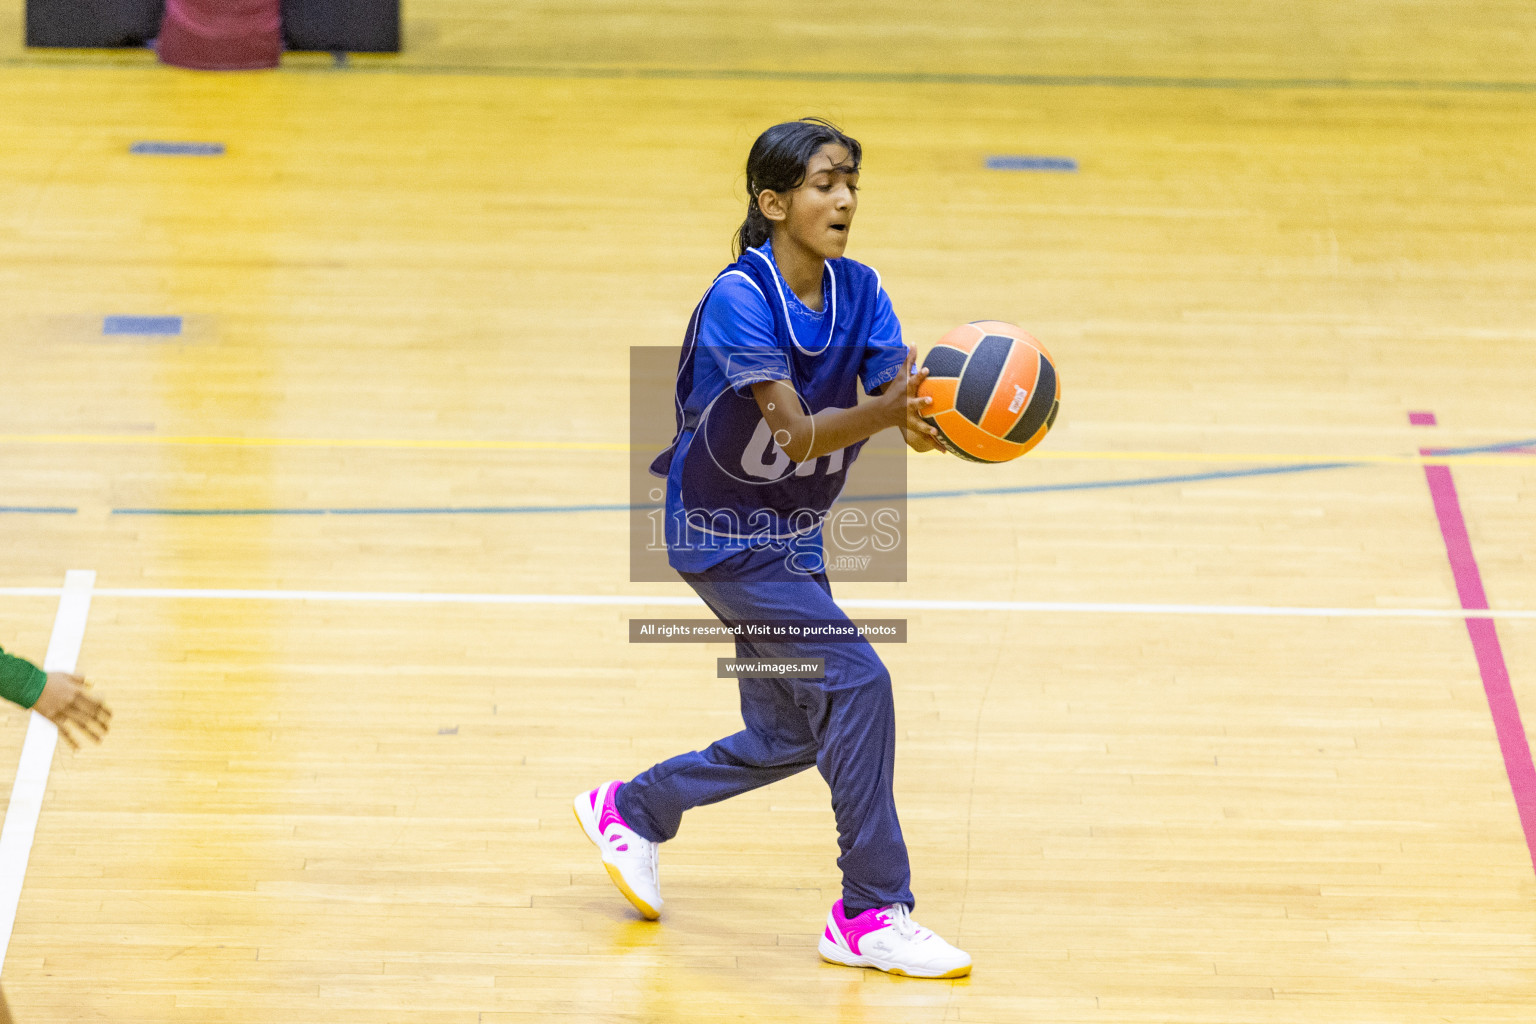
(461, 444)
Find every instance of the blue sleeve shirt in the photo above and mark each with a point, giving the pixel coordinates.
(885, 352)
(736, 334)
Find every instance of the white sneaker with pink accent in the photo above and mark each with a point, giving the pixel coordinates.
(631, 859)
(887, 939)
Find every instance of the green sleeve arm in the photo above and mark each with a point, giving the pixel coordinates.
(21, 682)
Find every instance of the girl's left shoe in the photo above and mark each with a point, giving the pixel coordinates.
(887, 939)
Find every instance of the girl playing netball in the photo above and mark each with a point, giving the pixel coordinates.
(774, 351)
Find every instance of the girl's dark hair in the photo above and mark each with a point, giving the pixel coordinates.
(777, 163)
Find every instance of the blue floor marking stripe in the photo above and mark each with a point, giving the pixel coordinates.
(161, 148)
(1140, 481)
(41, 510)
(1146, 481)
(548, 71)
(1501, 447)
(1089, 485)
(927, 77)
(450, 510)
(1031, 163)
(483, 510)
(159, 325)
(219, 511)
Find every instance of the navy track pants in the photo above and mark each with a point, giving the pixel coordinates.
(844, 724)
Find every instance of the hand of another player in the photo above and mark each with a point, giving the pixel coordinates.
(66, 702)
(921, 436)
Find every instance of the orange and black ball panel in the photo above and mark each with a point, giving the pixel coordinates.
(994, 388)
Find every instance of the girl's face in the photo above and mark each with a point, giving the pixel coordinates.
(819, 213)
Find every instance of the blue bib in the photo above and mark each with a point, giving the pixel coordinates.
(729, 485)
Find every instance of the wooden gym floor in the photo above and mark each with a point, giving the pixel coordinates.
(411, 284)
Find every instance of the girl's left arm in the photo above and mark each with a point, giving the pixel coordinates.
(883, 357)
(916, 441)
(804, 436)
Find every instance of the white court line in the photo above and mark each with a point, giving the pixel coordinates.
(891, 604)
(37, 752)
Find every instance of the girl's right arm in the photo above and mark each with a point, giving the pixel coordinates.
(804, 436)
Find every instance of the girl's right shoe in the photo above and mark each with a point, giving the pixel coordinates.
(631, 859)
(887, 939)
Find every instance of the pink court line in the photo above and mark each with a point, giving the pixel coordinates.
(1485, 646)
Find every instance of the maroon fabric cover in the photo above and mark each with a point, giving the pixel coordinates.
(221, 35)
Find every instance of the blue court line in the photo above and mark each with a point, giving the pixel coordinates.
(161, 148)
(224, 511)
(450, 510)
(1087, 485)
(928, 78)
(41, 510)
(1146, 481)
(874, 77)
(1098, 485)
(1031, 163)
(1501, 447)
(159, 325)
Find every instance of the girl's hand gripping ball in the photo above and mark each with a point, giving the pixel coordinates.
(994, 391)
